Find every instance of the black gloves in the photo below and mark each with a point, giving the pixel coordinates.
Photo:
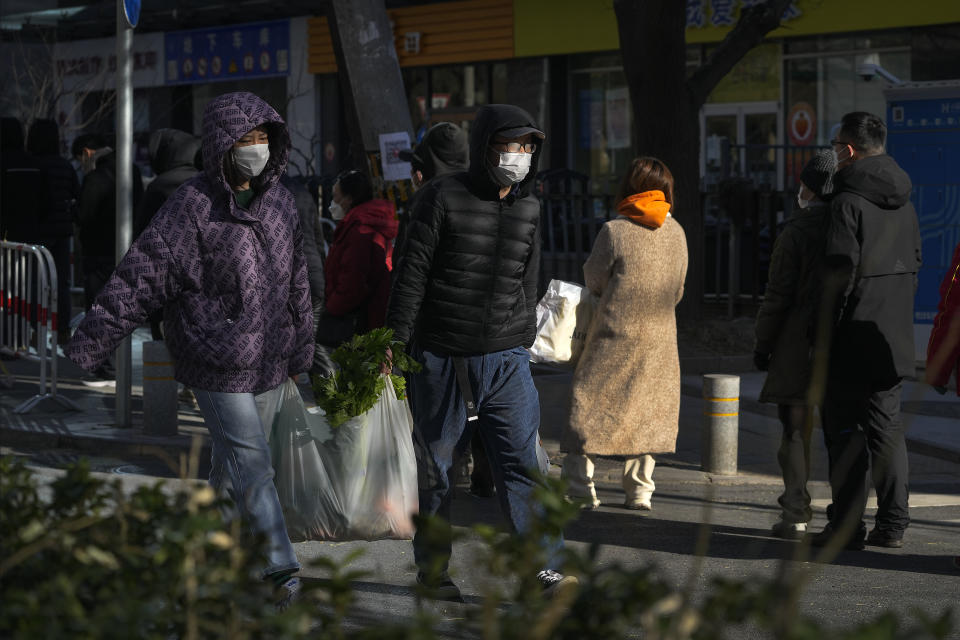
(761, 360)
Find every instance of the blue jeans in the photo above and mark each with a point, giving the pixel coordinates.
(242, 465)
(509, 418)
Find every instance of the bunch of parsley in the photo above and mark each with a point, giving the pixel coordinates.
(357, 385)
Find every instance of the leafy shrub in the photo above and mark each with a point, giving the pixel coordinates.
(86, 561)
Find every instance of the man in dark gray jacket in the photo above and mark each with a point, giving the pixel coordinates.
(872, 258)
(466, 293)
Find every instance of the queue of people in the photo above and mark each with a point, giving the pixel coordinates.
(227, 254)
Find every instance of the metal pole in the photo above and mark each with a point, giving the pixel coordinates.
(124, 189)
(721, 423)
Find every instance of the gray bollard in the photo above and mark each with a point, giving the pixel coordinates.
(721, 423)
(159, 390)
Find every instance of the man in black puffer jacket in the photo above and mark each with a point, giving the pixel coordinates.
(466, 293)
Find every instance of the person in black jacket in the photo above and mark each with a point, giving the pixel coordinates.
(785, 331)
(872, 260)
(97, 222)
(21, 183)
(465, 294)
(171, 158)
(58, 204)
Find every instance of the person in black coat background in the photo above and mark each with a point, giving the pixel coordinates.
(21, 185)
(171, 157)
(58, 206)
(97, 222)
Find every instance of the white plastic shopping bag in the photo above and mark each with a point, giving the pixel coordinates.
(563, 318)
(357, 481)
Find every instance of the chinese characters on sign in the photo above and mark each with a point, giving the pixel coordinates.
(723, 13)
(225, 53)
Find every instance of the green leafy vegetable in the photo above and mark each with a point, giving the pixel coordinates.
(357, 385)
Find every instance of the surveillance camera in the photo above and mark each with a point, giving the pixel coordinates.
(867, 71)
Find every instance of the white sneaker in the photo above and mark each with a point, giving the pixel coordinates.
(554, 582)
(789, 530)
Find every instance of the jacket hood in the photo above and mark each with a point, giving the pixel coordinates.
(378, 214)
(648, 208)
(490, 119)
(170, 149)
(228, 118)
(444, 149)
(878, 179)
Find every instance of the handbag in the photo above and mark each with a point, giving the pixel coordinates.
(332, 331)
(564, 315)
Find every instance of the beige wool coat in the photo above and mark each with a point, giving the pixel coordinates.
(626, 387)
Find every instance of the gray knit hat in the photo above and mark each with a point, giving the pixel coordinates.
(818, 174)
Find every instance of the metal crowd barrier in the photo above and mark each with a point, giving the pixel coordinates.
(28, 298)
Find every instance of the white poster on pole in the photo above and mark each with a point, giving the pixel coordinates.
(391, 144)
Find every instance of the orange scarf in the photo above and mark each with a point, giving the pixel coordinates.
(648, 208)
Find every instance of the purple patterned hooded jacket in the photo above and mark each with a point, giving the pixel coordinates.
(232, 283)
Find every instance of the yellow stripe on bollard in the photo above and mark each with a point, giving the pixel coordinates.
(723, 399)
(720, 415)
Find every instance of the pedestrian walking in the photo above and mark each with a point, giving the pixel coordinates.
(97, 222)
(872, 259)
(636, 270)
(171, 157)
(223, 258)
(785, 335)
(444, 150)
(465, 294)
(359, 262)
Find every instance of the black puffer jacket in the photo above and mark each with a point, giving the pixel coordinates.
(873, 245)
(61, 186)
(171, 158)
(97, 208)
(467, 282)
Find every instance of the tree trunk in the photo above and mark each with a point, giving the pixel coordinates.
(667, 123)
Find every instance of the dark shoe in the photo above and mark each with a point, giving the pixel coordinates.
(289, 592)
(956, 562)
(443, 588)
(789, 530)
(481, 491)
(828, 537)
(101, 377)
(888, 539)
(554, 582)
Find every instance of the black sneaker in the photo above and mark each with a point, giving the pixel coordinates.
(888, 539)
(443, 588)
(554, 582)
(288, 593)
(100, 377)
(828, 535)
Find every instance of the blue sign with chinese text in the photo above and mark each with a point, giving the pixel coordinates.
(252, 50)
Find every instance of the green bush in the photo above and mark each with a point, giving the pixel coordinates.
(83, 560)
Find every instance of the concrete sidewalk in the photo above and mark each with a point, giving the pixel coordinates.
(933, 421)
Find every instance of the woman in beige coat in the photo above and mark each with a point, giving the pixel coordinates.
(626, 388)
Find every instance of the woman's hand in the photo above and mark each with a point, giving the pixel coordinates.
(387, 365)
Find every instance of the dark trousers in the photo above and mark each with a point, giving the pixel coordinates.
(59, 249)
(508, 420)
(864, 432)
(794, 458)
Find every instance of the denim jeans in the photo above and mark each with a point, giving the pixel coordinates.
(508, 409)
(242, 466)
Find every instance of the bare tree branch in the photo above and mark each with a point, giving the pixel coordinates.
(754, 24)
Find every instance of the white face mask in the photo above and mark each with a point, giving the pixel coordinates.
(336, 211)
(802, 202)
(251, 159)
(513, 168)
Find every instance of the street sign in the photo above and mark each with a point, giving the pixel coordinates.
(131, 10)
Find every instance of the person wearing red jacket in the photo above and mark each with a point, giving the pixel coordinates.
(943, 349)
(360, 260)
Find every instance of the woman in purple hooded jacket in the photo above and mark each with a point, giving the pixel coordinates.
(223, 258)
